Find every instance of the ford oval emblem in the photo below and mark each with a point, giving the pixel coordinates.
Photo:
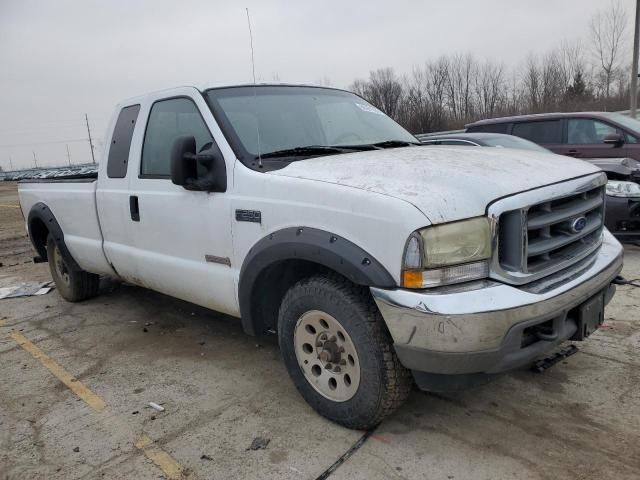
(578, 224)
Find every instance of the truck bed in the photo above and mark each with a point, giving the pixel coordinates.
(73, 203)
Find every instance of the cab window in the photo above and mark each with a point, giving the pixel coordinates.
(121, 142)
(168, 120)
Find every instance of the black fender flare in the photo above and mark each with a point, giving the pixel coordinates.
(43, 213)
(311, 244)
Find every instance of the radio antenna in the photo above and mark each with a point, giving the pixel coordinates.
(255, 95)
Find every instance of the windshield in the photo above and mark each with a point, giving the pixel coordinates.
(509, 141)
(268, 119)
(625, 121)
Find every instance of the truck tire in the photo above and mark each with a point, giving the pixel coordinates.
(73, 285)
(338, 352)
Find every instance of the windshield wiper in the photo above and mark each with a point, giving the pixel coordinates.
(306, 151)
(394, 143)
(381, 145)
(310, 150)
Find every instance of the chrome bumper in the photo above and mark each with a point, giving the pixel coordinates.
(450, 323)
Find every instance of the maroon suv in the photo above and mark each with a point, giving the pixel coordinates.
(581, 134)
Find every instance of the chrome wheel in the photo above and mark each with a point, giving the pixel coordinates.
(327, 356)
(61, 267)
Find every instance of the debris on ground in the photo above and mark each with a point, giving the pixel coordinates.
(259, 443)
(541, 365)
(156, 406)
(26, 290)
(76, 449)
(205, 457)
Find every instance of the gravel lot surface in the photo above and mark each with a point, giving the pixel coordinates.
(220, 389)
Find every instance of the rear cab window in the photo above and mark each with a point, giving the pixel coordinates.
(121, 142)
(541, 131)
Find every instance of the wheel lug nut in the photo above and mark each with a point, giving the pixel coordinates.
(337, 369)
(318, 344)
(328, 366)
(341, 349)
(343, 362)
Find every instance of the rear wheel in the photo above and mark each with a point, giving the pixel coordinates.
(338, 352)
(73, 285)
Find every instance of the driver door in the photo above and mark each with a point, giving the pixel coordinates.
(182, 240)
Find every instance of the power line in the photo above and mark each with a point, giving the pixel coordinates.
(43, 143)
(93, 158)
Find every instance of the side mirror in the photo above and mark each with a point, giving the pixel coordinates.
(185, 162)
(183, 165)
(614, 139)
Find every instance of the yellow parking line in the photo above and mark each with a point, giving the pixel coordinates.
(9, 206)
(162, 459)
(77, 387)
(172, 469)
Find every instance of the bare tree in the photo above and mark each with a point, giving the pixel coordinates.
(460, 72)
(489, 87)
(607, 33)
(383, 89)
(531, 84)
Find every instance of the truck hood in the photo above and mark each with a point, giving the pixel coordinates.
(445, 183)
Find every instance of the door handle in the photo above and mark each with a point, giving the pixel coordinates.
(573, 153)
(134, 208)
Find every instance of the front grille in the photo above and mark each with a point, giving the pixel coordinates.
(535, 239)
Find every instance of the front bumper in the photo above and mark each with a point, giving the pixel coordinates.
(485, 326)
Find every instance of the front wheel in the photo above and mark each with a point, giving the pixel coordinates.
(338, 352)
(73, 285)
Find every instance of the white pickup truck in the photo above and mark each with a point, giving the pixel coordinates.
(307, 212)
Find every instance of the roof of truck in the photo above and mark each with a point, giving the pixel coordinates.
(215, 86)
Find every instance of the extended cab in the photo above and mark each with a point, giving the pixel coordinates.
(307, 212)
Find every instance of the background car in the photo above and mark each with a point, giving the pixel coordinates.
(480, 140)
(622, 216)
(578, 134)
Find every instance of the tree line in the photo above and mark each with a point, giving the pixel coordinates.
(448, 92)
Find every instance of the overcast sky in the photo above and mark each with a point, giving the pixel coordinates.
(62, 59)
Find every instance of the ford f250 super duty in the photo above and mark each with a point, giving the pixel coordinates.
(307, 212)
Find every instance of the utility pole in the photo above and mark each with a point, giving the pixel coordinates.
(11, 162)
(93, 158)
(68, 154)
(634, 67)
(35, 162)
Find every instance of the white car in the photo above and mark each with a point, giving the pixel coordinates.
(308, 212)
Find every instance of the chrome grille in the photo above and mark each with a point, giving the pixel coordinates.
(543, 237)
(550, 233)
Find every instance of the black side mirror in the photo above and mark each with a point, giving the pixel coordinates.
(185, 161)
(183, 165)
(614, 139)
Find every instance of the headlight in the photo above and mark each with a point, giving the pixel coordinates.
(445, 254)
(617, 188)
